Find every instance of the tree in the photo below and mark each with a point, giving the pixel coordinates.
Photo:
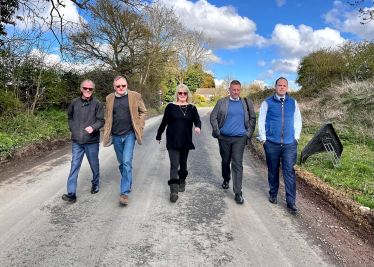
(367, 14)
(320, 69)
(115, 35)
(194, 47)
(7, 10)
(207, 81)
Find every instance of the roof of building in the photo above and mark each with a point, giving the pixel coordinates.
(205, 91)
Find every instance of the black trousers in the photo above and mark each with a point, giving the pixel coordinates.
(231, 150)
(178, 159)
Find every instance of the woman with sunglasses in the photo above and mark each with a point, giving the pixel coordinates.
(179, 118)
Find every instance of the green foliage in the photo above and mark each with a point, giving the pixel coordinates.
(319, 69)
(198, 99)
(193, 77)
(207, 81)
(350, 61)
(15, 131)
(8, 102)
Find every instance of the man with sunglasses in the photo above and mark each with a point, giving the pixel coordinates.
(86, 117)
(125, 120)
(233, 120)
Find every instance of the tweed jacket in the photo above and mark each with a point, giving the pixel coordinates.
(218, 117)
(138, 114)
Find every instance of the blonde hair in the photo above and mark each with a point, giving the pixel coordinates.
(185, 88)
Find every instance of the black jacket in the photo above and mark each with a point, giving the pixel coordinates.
(82, 115)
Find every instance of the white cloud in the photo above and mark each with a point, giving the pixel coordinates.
(260, 83)
(280, 2)
(69, 13)
(348, 21)
(297, 42)
(284, 65)
(229, 30)
(54, 61)
(267, 75)
(261, 63)
(218, 82)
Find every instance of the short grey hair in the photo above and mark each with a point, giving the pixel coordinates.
(185, 88)
(117, 78)
(88, 80)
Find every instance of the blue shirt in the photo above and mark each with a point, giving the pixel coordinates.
(234, 123)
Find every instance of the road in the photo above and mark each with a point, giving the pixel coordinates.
(205, 227)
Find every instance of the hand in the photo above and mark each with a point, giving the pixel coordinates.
(89, 129)
(159, 141)
(263, 141)
(197, 130)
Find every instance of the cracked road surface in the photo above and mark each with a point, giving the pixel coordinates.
(205, 227)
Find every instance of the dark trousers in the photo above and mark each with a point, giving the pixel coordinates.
(178, 159)
(274, 152)
(231, 150)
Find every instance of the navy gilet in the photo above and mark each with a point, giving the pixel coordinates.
(279, 124)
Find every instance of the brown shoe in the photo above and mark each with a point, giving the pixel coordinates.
(124, 200)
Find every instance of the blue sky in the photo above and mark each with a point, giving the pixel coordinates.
(262, 39)
(265, 39)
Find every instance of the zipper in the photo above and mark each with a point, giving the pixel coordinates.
(282, 123)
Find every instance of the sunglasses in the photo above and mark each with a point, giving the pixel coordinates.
(87, 89)
(183, 93)
(121, 85)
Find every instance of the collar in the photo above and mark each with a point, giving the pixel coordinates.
(232, 99)
(127, 91)
(277, 97)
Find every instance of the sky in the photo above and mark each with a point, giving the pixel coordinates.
(265, 39)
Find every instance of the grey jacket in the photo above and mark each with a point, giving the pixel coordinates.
(218, 117)
(81, 115)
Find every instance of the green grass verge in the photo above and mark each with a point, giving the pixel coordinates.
(22, 128)
(355, 177)
(205, 105)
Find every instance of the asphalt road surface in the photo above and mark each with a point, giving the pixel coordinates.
(205, 227)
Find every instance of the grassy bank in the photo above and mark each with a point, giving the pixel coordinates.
(18, 129)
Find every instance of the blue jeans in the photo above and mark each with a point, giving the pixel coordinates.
(92, 154)
(124, 148)
(288, 153)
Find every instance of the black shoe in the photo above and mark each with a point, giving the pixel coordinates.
(94, 189)
(225, 185)
(273, 199)
(69, 197)
(292, 207)
(239, 199)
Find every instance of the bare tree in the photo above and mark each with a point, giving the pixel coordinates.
(367, 14)
(115, 35)
(194, 47)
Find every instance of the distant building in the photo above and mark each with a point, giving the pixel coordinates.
(205, 92)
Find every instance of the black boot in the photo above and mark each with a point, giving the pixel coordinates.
(174, 186)
(182, 181)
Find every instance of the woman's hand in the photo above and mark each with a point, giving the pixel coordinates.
(197, 129)
(159, 141)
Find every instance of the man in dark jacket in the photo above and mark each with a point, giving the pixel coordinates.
(86, 117)
(233, 120)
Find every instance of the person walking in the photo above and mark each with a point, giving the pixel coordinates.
(85, 117)
(179, 118)
(279, 127)
(125, 121)
(233, 120)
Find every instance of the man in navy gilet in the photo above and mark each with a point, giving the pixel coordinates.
(279, 127)
(233, 120)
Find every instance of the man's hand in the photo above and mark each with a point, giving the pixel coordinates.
(197, 130)
(263, 141)
(89, 129)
